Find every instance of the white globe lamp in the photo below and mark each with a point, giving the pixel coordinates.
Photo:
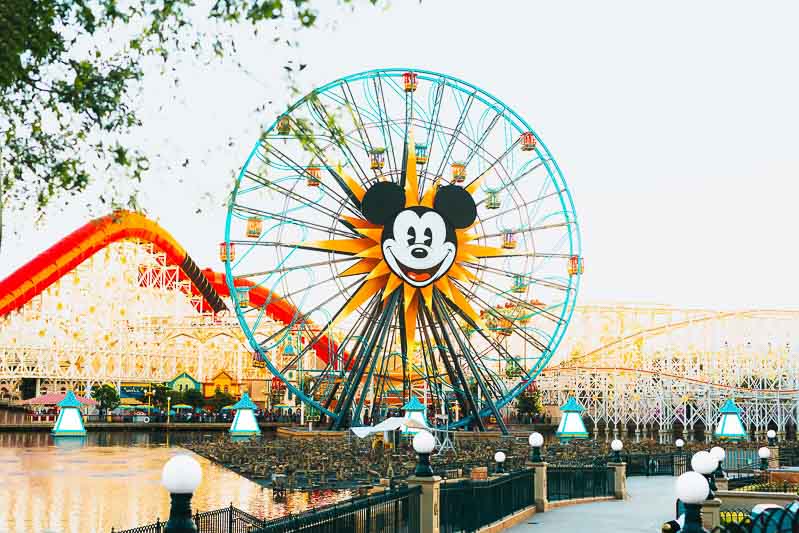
(765, 454)
(692, 489)
(771, 435)
(423, 444)
(704, 463)
(679, 443)
(499, 458)
(181, 476)
(616, 446)
(536, 441)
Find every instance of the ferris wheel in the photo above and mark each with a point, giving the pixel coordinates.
(412, 233)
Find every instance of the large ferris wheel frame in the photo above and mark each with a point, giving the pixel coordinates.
(444, 323)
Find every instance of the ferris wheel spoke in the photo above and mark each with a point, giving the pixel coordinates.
(313, 204)
(378, 82)
(431, 132)
(466, 353)
(353, 205)
(293, 268)
(291, 220)
(527, 278)
(456, 132)
(470, 405)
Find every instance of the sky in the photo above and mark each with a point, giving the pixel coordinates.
(674, 123)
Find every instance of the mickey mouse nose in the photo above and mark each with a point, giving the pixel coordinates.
(419, 253)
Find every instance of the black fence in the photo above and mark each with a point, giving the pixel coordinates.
(469, 505)
(226, 520)
(789, 456)
(742, 466)
(568, 482)
(780, 520)
(392, 511)
(659, 464)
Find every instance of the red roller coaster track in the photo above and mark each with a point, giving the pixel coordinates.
(49, 266)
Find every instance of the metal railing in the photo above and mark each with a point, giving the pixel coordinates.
(392, 511)
(569, 482)
(226, 520)
(656, 464)
(468, 505)
(782, 520)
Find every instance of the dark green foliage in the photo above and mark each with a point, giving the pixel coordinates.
(107, 396)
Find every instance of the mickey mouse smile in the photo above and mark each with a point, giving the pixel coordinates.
(423, 276)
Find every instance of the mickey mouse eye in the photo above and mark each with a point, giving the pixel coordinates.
(411, 235)
(428, 236)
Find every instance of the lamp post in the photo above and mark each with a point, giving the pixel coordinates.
(679, 443)
(692, 489)
(536, 440)
(704, 463)
(765, 454)
(423, 444)
(181, 476)
(499, 457)
(616, 446)
(771, 435)
(718, 454)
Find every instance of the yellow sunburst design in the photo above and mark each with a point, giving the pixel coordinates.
(380, 278)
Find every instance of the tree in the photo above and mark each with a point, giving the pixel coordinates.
(529, 403)
(107, 396)
(194, 398)
(70, 71)
(220, 399)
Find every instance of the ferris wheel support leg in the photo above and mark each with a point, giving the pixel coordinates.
(465, 350)
(472, 406)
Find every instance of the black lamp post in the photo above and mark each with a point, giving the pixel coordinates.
(499, 457)
(423, 444)
(692, 488)
(181, 476)
(536, 440)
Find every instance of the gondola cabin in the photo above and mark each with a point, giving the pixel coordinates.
(377, 158)
(223, 252)
(409, 81)
(283, 125)
(254, 227)
(243, 295)
(493, 200)
(314, 176)
(527, 140)
(458, 172)
(421, 153)
(509, 240)
(575, 265)
(519, 284)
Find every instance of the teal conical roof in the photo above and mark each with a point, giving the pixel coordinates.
(245, 403)
(571, 406)
(729, 408)
(69, 400)
(413, 405)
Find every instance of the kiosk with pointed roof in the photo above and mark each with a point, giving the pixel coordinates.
(571, 423)
(414, 410)
(729, 426)
(244, 423)
(70, 420)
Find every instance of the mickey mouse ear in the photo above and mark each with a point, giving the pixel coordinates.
(456, 205)
(382, 201)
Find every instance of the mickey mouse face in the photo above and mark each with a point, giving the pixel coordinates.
(419, 246)
(418, 243)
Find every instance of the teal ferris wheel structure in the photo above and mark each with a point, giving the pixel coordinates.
(335, 227)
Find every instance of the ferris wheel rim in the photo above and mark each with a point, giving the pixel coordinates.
(555, 175)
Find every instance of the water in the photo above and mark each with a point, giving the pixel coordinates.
(112, 479)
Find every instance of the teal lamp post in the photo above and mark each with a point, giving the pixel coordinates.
(536, 440)
(729, 426)
(571, 423)
(181, 476)
(765, 454)
(244, 423)
(70, 420)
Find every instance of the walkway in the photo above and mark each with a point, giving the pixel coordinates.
(649, 504)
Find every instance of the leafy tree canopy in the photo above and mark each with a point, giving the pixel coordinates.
(69, 74)
(107, 396)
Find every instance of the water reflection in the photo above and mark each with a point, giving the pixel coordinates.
(112, 479)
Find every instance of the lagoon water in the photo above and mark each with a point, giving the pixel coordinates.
(112, 479)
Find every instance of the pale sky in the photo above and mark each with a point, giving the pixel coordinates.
(675, 125)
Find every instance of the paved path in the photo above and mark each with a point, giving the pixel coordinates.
(649, 504)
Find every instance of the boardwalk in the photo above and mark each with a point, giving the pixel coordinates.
(650, 503)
